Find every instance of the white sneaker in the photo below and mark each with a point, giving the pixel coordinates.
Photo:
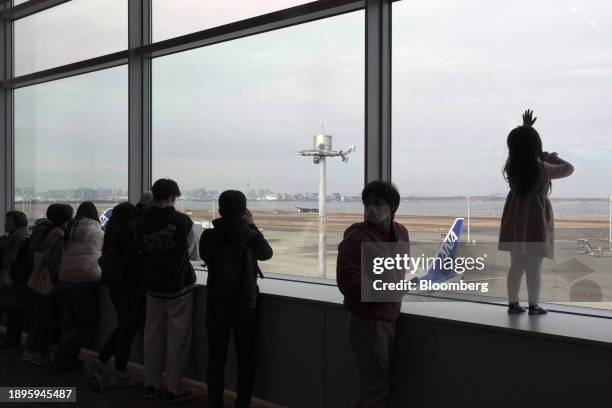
(39, 359)
(98, 372)
(27, 356)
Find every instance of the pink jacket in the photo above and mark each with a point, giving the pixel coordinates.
(527, 224)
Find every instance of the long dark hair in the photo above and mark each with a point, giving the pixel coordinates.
(87, 209)
(522, 167)
(121, 224)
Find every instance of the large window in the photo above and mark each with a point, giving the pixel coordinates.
(70, 32)
(71, 141)
(233, 115)
(463, 72)
(177, 17)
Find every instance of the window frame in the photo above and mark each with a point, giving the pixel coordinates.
(141, 50)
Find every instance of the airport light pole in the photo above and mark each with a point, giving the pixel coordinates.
(322, 148)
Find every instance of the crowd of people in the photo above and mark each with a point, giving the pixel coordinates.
(52, 274)
(50, 279)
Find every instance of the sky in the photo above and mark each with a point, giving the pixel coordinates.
(237, 112)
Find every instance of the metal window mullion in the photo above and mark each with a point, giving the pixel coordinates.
(7, 169)
(276, 20)
(139, 84)
(28, 8)
(378, 91)
(140, 42)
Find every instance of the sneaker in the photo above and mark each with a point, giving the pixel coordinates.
(171, 398)
(39, 359)
(150, 392)
(536, 310)
(515, 308)
(27, 356)
(98, 373)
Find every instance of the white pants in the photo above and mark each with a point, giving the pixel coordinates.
(168, 324)
(530, 264)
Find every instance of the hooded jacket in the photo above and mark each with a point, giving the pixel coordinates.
(81, 252)
(168, 243)
(348, 268)
(233, 233)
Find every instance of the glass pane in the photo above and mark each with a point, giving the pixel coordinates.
(463, 73)
(233, 115)
(71, 141)
(172, 18)
(73, 31)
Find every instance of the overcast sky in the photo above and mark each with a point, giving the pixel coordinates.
(237, 111)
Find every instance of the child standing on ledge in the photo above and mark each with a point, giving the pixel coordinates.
(527, 224)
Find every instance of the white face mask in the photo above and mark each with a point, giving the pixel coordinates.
(377, 214)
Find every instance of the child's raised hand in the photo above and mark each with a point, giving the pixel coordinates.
(528, 119)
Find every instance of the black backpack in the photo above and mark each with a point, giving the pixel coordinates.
(233, 273)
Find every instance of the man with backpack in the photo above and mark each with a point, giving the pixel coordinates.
(14, 276)
(231, 251)
(168, 242)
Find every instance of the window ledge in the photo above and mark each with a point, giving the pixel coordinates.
(559, 325)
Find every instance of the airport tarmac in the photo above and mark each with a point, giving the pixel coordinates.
(571, 277)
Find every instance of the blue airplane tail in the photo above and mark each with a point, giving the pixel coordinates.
(448, 249)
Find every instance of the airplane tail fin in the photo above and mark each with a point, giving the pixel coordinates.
(439, 272)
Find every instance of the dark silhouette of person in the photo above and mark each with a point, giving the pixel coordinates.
(527, 224)
(371, 326)
(167, 243)
(231, 250)
(14, 277)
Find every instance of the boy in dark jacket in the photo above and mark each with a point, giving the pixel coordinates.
(231, 251)
(371, 327)
(169, 243)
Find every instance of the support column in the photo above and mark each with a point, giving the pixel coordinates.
(378, 90)
(139, 73)
(7, 150)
